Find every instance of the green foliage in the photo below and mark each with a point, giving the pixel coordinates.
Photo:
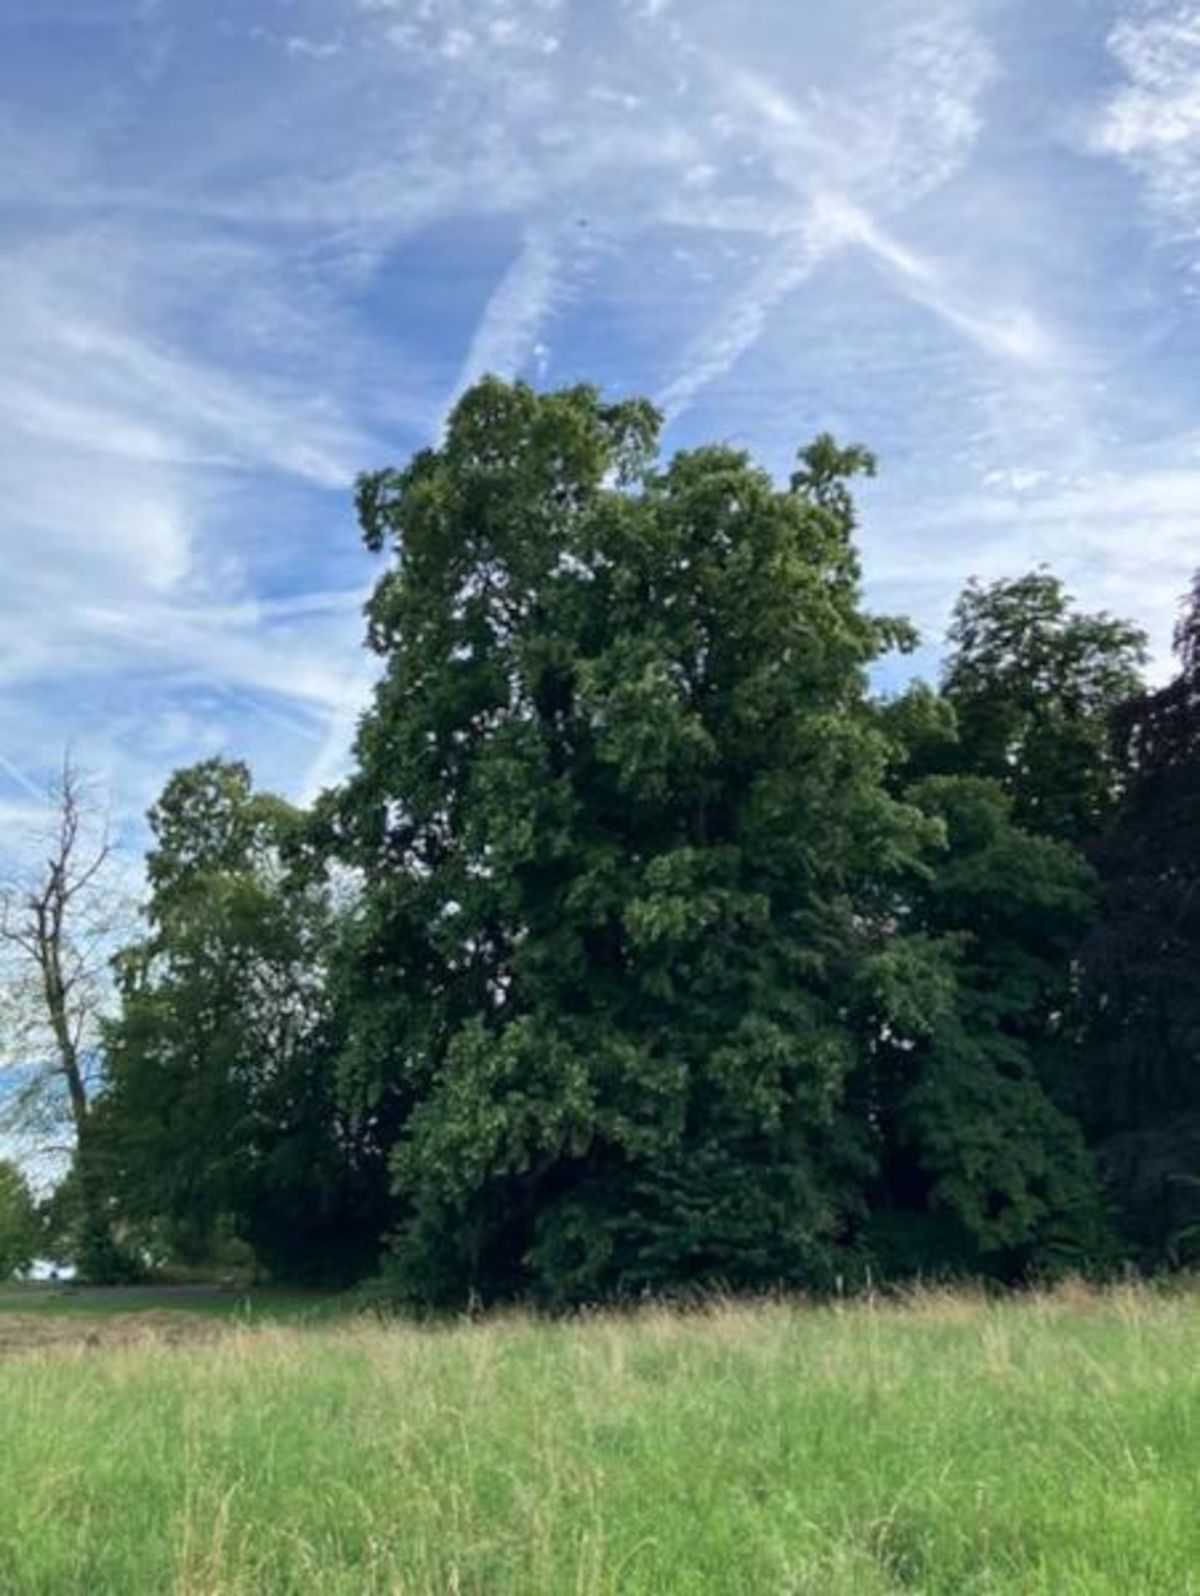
(1153, 1176)
(1142, 1090)
(1033, 684)
(644, 950)
(622, 828)
(80, 1227)
(219, 1112)
(977, 1106)
(19, 1228)
(960, 1101)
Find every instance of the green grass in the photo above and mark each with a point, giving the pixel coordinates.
(1050, 1445)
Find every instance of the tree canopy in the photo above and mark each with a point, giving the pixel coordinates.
(1034, 685)
(646, 947)
(621, 822)
(220, 1108)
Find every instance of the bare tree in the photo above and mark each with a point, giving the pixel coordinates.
(60, 918)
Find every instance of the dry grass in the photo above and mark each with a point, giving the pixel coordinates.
(24, 1333)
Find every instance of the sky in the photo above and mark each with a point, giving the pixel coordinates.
(251, 247)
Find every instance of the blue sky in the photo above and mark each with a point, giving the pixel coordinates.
(248, 247)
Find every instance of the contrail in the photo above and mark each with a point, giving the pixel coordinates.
(21, 779)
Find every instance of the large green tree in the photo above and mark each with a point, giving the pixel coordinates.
(219, 1112)
(626, 855)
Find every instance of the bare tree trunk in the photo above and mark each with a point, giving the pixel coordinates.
(56, 930)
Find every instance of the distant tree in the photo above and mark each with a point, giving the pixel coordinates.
(1033, 684)
(625, 849)
(219, 1113)
(1143, 966)
(59, 921)
(978, 1168)
(18, 1221)
(983, 1162)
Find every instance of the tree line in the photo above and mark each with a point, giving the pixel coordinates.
(646, 946)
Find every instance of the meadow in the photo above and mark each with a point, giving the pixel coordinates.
(944, 1443)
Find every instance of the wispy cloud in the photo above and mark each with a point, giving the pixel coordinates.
(248, 250)
(744, 317)
(1122, 539)
(1012, 331)
(517, 310)
(908, 129)
(1153, 120)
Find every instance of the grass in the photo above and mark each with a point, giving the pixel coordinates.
(942, 1445)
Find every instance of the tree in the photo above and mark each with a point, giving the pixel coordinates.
(1033, 684)
(982, 1157)
(18, 1221)
(1142, 1098)
(219, 1111)
(57, 930)
(978, 1168)
(625, 848)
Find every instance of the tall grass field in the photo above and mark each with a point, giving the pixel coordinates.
(944, 1444)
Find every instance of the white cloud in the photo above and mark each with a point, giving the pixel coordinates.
(297, 44)
(1121, 539)
(1011, 331)
(1153, 120)
(508, 331)
(908, 129)
(82, 365)
(743, 319)
(332, 759)
(18, 813)
(222, 297)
